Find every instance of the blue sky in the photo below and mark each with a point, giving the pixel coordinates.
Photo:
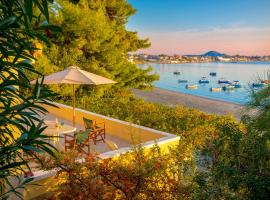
(234, 26)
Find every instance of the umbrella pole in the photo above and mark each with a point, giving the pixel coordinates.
(73, 105)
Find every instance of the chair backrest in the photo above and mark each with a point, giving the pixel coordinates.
(81, 136)
(88, 123)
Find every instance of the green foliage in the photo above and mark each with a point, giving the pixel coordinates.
(238, 162)
(140, 174)
(261, 101)
(217, 157)
(95, 38)
(197, 129)
(20, 129)
(123, 105)
(238, 165)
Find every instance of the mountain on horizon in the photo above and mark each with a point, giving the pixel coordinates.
(214, 54)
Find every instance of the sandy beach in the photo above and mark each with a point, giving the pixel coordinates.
(172, 98)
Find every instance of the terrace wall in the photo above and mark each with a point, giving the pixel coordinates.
(124, 130)
(127, 131)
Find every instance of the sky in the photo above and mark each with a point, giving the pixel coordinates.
(196, 26)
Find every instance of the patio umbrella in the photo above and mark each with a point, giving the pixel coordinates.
(75, 76)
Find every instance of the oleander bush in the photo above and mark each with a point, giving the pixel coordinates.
(21, 131)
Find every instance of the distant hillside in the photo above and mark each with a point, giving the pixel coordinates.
(211, 54)
(214, 54)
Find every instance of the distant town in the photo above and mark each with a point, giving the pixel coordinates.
(211, 56)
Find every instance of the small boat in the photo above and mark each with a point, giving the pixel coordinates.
(192, 87)
(257, 85)
(204, 80)
(215, 89)
(213, 73)
(176, 73)
(224, 81)
(182, 81)
(228, 87)
(265, 81)
(236, 84)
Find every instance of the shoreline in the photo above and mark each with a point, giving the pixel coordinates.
(170, 63)
(172, 98)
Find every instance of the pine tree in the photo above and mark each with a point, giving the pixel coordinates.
(94, 37)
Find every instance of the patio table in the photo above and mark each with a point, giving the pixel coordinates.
(57, 131)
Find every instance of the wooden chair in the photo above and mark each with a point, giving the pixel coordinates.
(95, 130)
(79, 141)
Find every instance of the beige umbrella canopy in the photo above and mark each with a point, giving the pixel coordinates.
(75, 76)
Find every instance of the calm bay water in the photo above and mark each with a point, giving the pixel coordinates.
(246, 73)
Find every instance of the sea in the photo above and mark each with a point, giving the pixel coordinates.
(245, 73)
